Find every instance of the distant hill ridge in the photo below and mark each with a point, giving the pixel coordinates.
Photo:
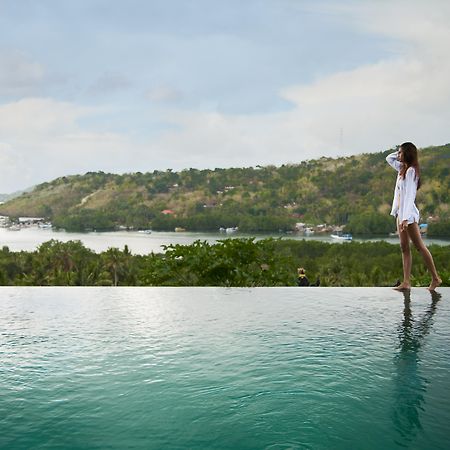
(355, 191)
(7, 197)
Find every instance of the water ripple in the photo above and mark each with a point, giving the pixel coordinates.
(224, 368)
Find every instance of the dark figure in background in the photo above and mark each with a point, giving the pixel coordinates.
(302, 279)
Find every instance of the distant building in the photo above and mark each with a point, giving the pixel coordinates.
(4, 221)
(30, 220)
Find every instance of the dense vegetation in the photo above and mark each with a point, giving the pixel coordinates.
(355, 191)
(231, 262)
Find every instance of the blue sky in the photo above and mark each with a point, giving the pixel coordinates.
(139, 85)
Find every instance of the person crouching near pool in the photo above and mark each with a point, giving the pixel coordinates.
(302, 279)
(405, 161)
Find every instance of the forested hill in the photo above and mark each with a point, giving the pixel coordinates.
(355, 190)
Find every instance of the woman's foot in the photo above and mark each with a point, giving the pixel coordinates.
(434, 284)
(402, 287)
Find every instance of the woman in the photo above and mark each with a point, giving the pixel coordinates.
(406, 162)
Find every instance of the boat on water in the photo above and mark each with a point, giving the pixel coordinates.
(145, 231)
(423, 228)
(342, 237)
(45, 226)
(228, 230)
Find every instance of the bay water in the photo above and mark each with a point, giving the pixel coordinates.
(28, 239)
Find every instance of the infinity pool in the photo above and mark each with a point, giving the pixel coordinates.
(213, 368)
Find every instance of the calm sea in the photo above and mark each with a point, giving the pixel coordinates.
(29, 239)
(213, 368)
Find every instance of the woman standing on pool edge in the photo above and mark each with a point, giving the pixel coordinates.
(406, 162)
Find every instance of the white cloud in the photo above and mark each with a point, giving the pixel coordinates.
(12, 169)
(19, 75)
(31, 118)
(373, 107)
(109, 83)
(43, 139)
(163, 94)
(404, 96)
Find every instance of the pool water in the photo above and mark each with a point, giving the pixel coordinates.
(215, 368)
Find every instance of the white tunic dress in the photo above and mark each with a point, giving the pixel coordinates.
(403, 205)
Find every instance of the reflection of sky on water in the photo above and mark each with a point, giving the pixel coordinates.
(410, 385)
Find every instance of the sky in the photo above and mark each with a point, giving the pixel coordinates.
(142, 85)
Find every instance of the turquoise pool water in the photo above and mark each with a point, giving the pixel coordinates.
(212, 368)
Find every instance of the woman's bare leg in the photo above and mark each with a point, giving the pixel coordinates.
(416, 238)
(406, 258)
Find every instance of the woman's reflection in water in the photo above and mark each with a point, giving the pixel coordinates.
(410, 386)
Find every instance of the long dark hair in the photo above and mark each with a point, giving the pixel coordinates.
(410, 159)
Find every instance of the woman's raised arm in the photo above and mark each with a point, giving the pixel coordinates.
(393, 161)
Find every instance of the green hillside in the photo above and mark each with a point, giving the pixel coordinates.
(356, 191)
